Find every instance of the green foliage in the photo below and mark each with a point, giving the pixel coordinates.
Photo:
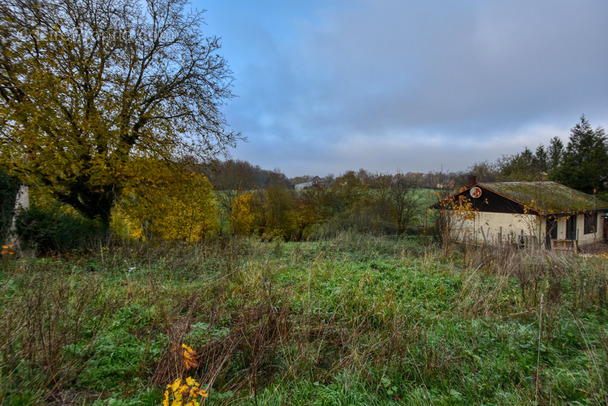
(276, 215)
(351, 320)
(9, 187)
(525, 166)
(555, 152)
(387, 205)
(48, 229)
(584, 165)
(120, 355)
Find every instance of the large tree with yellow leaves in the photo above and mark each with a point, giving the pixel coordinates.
(170, 202)
(87, 86)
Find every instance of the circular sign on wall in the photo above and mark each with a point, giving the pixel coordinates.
(475, 192)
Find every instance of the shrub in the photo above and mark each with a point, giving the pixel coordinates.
(9, 187)
(56, 230)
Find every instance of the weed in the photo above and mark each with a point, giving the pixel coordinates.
(352, 320)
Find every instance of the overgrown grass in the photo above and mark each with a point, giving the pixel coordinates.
(351, 320)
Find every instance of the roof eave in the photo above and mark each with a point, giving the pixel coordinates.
(571, 212)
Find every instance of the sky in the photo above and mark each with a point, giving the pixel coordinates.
(327, 86)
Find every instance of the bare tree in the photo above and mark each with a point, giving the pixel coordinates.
(404, 201)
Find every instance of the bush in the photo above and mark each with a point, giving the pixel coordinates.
(56, 230)
(9, 187)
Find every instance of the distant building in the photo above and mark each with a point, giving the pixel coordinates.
(525, 212)
(445, 185)
(316, 181)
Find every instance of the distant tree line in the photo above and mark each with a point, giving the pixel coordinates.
(379, 204)
(241, 175)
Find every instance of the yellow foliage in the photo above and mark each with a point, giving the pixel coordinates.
(306, 216)
(8, 249)
(183, 393)
(43, 198)
(189, 357)
(80, 103)
(453, 212)
(170, 202)
(241, 216)
(125, 226)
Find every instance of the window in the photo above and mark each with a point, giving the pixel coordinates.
(590, 222)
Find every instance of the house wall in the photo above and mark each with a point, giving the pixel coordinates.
(580, 229)
(302, 186)
(496, 228)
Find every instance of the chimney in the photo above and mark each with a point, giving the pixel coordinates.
(472, 180)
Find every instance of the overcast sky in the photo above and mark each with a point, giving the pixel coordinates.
(326, 86)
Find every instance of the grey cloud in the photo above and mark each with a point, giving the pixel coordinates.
(371, 83)
(454, 70)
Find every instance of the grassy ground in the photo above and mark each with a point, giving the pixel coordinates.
(353, 320)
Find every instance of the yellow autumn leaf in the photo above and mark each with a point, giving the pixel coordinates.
(176, 384)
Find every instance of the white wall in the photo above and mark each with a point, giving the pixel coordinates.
(493, 228)
(580, 229)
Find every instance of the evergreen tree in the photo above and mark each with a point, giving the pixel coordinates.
(555, 152)
(584, 165)
(541, 158)
(525, 166)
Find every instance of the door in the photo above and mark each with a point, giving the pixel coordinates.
(551, 231)
(571, 228)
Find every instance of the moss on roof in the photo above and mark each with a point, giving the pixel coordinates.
(546, 197)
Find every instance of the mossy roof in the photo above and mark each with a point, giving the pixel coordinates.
(546, 197)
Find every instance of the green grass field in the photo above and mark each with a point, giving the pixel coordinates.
(349, 321)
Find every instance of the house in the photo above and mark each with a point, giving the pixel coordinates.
(445, 185)
(523, 213)
(316, 181)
